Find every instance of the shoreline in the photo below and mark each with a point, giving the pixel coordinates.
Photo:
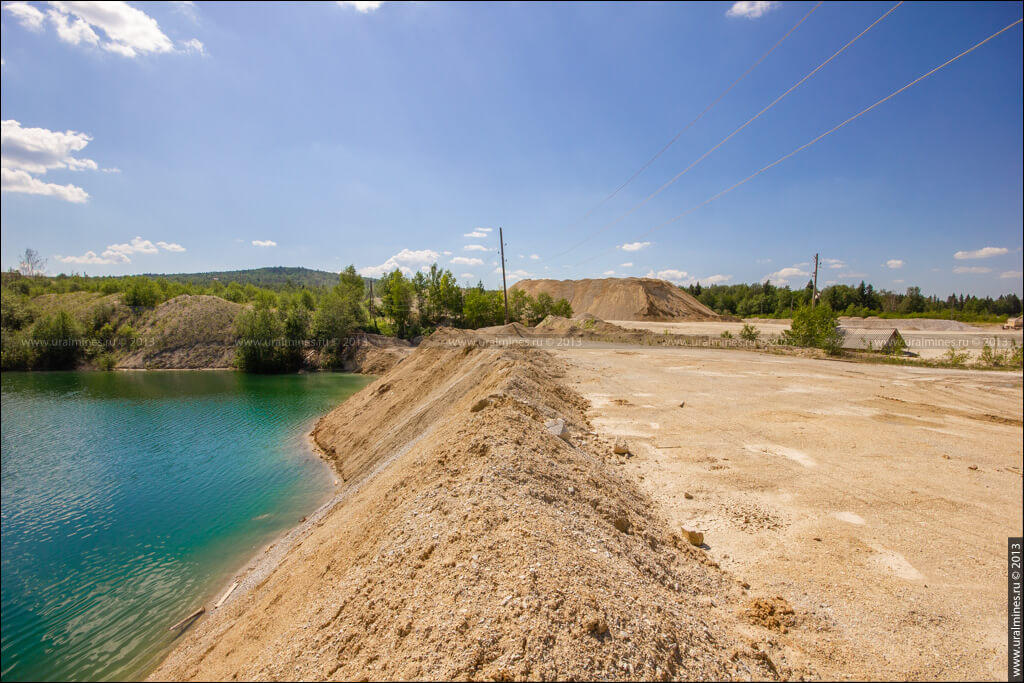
(262, 563)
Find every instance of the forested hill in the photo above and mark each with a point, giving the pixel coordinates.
(276, 278)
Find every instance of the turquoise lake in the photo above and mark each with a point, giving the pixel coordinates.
(130, 498)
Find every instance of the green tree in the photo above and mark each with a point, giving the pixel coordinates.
(57, 342)
(141, 291)
(259, 333)
(817, 327)
(396, 294)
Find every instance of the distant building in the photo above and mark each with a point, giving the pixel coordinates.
(872, 340)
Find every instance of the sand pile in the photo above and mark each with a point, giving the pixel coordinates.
(374, 354)
(907, 324)
(630, 298)
(473, 543)
(581, 326)
(188, 331)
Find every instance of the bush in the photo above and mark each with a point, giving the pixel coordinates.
(56, 341)
(816, 327)
(15, 351)
(259, 334)
(141, 291)
(749, 333)
(952, 357)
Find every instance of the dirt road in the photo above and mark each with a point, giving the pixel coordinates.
(876, 500)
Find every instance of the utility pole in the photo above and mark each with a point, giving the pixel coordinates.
(501, 239)
(814, 294)
(372, 315)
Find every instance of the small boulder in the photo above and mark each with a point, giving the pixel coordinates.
(694, 537)
(558, 428)
(480, 405)
(620, 447)
(687, 495)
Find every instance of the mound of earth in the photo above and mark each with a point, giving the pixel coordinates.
(630, 298)
(188, 331)
(374, 354)
(472, 543)
(908, 324)
(584, 325)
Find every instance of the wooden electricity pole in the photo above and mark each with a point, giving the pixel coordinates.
(501, 239)
(814, 294)
(373, 316)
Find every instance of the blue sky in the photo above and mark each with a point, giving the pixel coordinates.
(178, 137)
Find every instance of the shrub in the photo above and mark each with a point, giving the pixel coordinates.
(56, 342)
(141, 291)
(954, 358)
(816, 327)
(749, 333)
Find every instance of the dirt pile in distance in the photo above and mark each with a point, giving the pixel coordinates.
(188, 331)
(374, 354)
(630, 298)
(472, 542)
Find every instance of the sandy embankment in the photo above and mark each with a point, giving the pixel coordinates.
(470, 542)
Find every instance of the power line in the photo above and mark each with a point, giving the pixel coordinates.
(749, 121)
(825, 134)
(690, 124)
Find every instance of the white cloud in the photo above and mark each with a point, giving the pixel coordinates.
(783, 276)
(627, 264)
(447, 253)
(28, 152)
(27, 15)
(20, 181)
(1011, 275)
(467, 275)
(534, 257)
(984, 252)
(751, 9)
(195, 46)
(121, 253)
(37, 150)
(114, 169)
(136, 246)
(971, 269)
(476, 247)
(894, 263)
(834, 263)
(513, 275)
(478, 233)
(129, 31)
(401, 261)
(416, 256)
(850, 276)
(362, 6)
(608, 272)
(467, 261)
(113, 26)
(264, 243)
(681, 277)
(72, 30)
(90, 257)
(671, 274)
(633, 246)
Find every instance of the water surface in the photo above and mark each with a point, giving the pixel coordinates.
(130, 498)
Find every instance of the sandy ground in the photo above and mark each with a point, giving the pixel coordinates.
(926, 343)
(877, 500)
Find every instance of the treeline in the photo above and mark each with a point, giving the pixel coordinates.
(769, 301)
(274, 333)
